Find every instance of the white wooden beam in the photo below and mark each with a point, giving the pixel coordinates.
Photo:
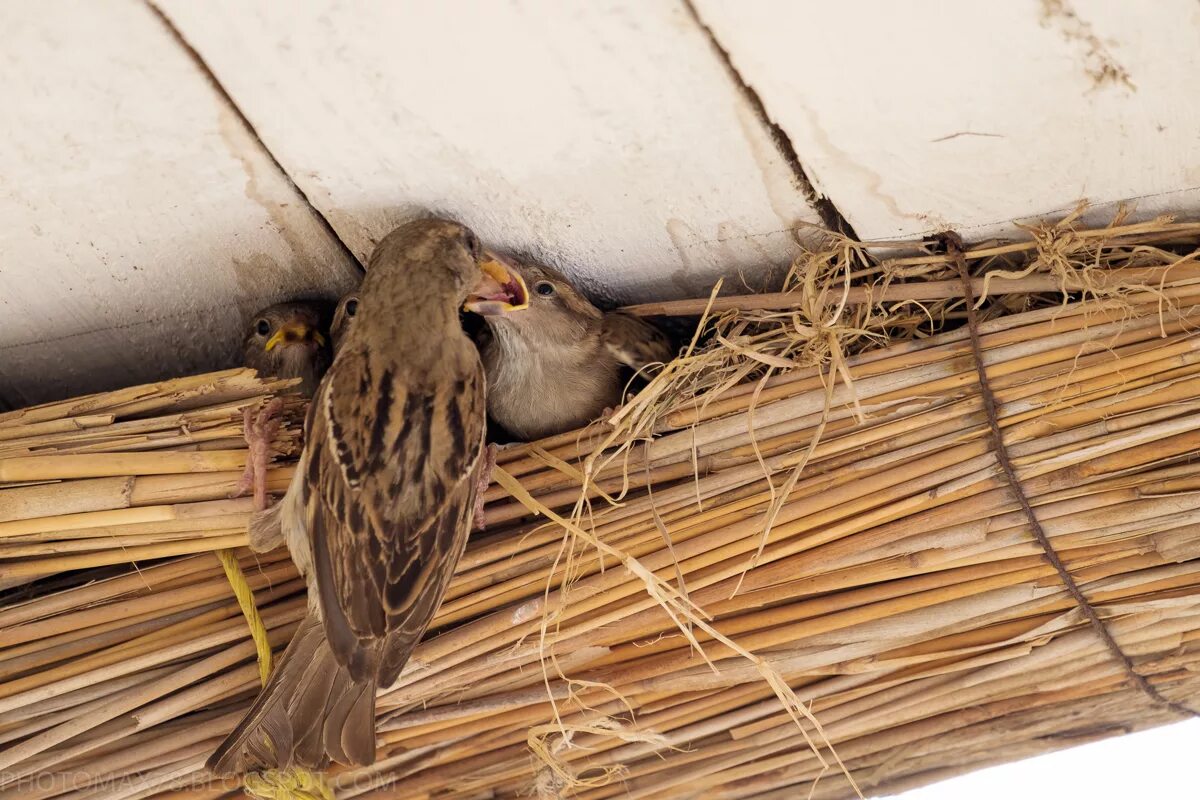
(916, 116)
(605, 138)
(142, 221)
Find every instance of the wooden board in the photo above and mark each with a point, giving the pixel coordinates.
(142, 221)
(912, 117)
(608, 139)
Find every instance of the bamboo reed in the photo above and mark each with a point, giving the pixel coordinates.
(803, 515)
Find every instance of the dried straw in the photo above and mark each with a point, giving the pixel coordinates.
(790, 566)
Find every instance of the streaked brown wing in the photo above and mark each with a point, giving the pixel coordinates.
(633, 341)
(450, 530)
(390, 487)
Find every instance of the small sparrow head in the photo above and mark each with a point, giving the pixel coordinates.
(287, 340)
(534, 300)
(343, 319)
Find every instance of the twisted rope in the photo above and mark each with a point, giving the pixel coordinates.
(954, 248)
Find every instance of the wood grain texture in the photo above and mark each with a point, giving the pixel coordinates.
(607, 139)
(142, 220)
(913, 117)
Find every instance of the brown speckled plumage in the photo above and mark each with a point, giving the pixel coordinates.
(380, 507)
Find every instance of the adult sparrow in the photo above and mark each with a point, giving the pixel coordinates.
(379, 509)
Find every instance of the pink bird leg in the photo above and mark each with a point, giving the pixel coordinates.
(259, 430)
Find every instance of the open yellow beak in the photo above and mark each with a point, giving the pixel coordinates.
(292, 333)
(501, 289)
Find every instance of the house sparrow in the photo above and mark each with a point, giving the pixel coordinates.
(379, 509)
(553, 360)
(286, 340)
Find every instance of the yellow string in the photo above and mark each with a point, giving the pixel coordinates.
(274, 784)
(245, 597)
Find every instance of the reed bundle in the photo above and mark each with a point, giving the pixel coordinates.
(793, 565)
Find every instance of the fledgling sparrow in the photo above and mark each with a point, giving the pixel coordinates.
(380, 506)
(553, 360)
(286, 340)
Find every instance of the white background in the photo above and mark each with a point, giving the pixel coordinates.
(1158, 764)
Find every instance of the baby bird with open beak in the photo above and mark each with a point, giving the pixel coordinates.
(554, 361)
(286, 340)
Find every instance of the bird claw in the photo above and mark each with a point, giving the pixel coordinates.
(483, 481)
(608, 413)
(259, 431)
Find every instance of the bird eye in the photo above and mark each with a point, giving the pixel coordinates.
(351, 306)
(544, 288)
(263, 327)
(472, 242)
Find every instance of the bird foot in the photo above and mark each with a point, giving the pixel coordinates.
(259, 430)
(608, 412)
(483, 481)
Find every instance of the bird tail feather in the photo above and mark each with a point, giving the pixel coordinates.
(309, 712)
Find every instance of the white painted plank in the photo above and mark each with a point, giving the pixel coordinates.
(141, 219)
(606, 138)
(915, 116)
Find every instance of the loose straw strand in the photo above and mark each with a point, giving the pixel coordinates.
(954, 249)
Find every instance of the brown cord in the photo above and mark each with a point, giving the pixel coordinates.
(954, 248)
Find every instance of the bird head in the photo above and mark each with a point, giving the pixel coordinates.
(531, 299)
(287, 340)
(418, 267)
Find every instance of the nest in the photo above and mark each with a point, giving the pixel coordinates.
(797, 563)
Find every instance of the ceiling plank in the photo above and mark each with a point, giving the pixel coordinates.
(608, 139)
(143, 222)
(918, 116)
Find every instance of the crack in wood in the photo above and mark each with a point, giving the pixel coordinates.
(829, 213)
(215, 82)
